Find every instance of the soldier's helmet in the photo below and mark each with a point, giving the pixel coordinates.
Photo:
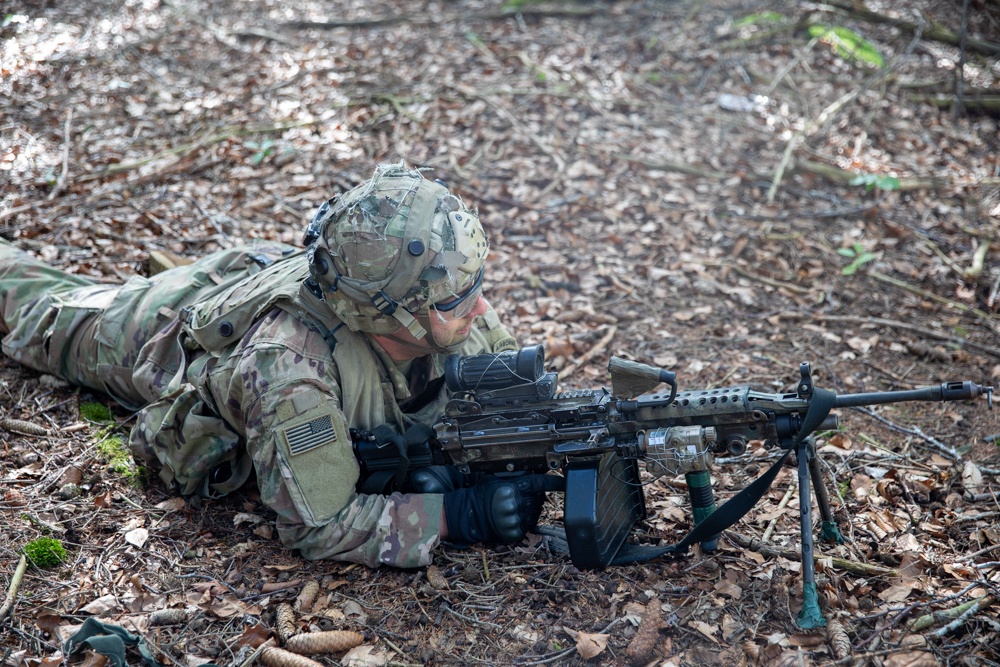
(395, 246)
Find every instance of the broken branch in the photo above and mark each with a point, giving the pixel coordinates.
(15, 583)
(840, 563)
(954, 614)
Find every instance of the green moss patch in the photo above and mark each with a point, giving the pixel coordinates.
(45, 552)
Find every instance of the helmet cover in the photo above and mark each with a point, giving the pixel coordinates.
(392, 247)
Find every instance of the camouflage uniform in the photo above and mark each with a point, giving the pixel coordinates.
(239, 367)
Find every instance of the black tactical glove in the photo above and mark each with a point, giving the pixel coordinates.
(497, 510)
(435, 479)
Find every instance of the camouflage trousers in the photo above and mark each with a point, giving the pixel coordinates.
(90, 334)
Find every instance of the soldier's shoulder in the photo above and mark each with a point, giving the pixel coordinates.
(280, 328)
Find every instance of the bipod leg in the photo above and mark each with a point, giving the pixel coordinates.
(828, 530)
(702, 502)
(810, 616)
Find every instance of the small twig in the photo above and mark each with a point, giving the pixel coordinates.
(981, 552)
(781, 505)
(841, 563)
(895, 282)
(194, 145)
(979, 517)
(392, 646)
(800, 135)
(777, 284)
(678, 167)
(968, 613)
(978, 261)
(929, 333)
(844, 177)
(994, 291)
(65, 155)
(935, 33)
(15, 583)
(950, 452)
(957, 614)
(545, 659)
(425, 20)
(476, 621)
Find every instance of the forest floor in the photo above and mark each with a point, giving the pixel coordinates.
(710, 187)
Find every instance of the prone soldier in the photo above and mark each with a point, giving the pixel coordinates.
(265, 360)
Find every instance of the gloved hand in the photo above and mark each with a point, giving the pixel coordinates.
(435, 479)
(497, 510)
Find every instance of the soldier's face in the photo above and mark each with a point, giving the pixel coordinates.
(444, 331)
(448, 330)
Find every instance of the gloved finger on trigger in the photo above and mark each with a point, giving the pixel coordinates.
(539, 483)
(554, 483)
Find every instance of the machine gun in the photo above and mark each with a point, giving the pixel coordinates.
(507, 416)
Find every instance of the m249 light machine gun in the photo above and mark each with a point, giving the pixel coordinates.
(506, 415)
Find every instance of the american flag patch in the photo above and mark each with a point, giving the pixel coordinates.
(312, 434)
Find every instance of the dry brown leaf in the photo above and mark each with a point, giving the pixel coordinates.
(911, 659)
(93, 659)
(589, 644)
(253, 636)
(49, 623)
(896, 593)
(171, 504)
(137, 537)
(706, 629)
(100, 606)
(15, 498)
(789, 658)
(972, 478)
(71, 475)
(806, 639)
(728, 589)
(365, 656)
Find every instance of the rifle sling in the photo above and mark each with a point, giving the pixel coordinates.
(823, 400)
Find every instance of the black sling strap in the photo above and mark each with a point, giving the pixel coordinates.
(823, 400)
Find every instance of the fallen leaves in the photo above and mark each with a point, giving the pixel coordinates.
(137, 537)
(599, 242)
(588, 645)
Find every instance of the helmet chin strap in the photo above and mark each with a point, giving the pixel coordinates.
(411, 324)
(405, 348)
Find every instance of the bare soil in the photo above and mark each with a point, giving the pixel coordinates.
(660, 180)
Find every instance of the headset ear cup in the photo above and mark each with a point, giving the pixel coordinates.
(321, 264)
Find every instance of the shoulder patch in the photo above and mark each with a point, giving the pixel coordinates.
(310, 435)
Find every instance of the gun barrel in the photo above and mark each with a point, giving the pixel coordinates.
(946, 391)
